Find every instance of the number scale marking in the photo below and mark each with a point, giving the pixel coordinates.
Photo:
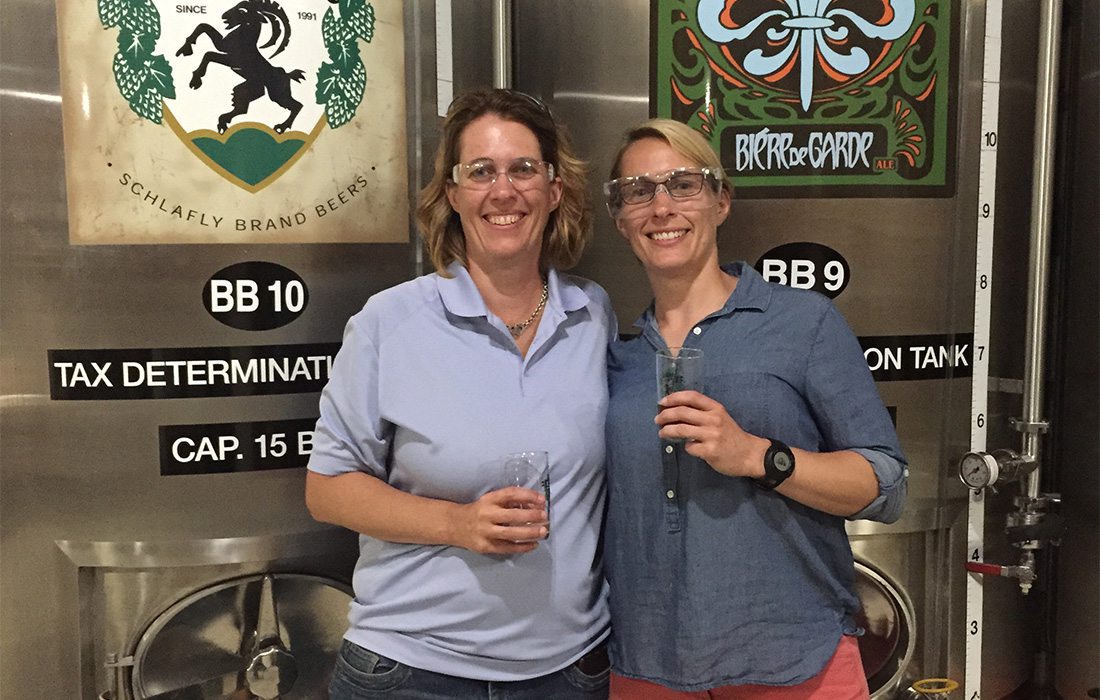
(983, 284)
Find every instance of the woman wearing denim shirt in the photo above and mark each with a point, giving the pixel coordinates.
(730, 571)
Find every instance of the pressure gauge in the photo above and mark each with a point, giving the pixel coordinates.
(978, 470)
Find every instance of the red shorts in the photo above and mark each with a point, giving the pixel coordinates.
(841, 679)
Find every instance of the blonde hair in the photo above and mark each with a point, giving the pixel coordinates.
(682, 138)
(568, 229)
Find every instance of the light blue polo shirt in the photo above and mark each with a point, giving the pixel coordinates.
(427, 388)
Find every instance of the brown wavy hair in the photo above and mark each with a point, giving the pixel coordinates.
(569, 227)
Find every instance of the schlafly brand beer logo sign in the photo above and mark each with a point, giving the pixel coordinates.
(848, 97)
(234, 121)
(247, 85)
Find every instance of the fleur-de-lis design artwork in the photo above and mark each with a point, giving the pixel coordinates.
(809, 32)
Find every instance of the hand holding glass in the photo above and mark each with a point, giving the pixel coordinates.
(528, 470)
(679, 369)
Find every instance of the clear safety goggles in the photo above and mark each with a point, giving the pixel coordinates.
(523, 173)
(683, 183)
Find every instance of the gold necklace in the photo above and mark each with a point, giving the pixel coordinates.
(517, 329)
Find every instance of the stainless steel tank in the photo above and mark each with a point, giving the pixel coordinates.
(910, 273)
(127, 525)
(110, 559)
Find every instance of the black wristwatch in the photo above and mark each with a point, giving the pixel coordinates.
(778, 466)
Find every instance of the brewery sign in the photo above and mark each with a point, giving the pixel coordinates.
(234, 121)
(807, 98)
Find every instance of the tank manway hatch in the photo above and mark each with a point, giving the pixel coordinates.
(265, 636)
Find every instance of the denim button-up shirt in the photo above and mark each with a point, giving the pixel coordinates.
(714, 581)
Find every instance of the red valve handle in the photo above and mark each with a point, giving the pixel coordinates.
(978, 567)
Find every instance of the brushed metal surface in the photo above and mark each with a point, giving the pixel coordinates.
(85, 519)
(889, 631)
(321, 541)
(912, 263)
(88, 471)
(212, 633)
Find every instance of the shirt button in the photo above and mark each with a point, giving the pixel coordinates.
(668, 449)
(697, 330)
(670, 493)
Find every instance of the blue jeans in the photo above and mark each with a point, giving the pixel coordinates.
(361, 674)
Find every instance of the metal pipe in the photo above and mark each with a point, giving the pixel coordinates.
(1046, 105)
(502, 43)
(416, 124)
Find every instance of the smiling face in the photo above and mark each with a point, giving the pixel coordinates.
(502, 225)
(670, 235)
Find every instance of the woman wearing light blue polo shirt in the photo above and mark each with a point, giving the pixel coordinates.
(458, 593)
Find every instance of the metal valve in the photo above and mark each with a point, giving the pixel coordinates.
(1029, 528)
(1024, 572)
(979, 470)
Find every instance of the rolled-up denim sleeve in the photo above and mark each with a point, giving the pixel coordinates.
(850, 414)
(892, 475)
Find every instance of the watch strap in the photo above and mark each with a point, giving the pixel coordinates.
(778, 465)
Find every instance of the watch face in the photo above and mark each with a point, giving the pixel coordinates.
(781, 461)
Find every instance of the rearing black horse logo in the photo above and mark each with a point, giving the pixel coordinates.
(239, 49)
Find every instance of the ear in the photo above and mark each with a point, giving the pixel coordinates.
(620, 226)
(556, 189)
(451, 195)
(723, 205)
